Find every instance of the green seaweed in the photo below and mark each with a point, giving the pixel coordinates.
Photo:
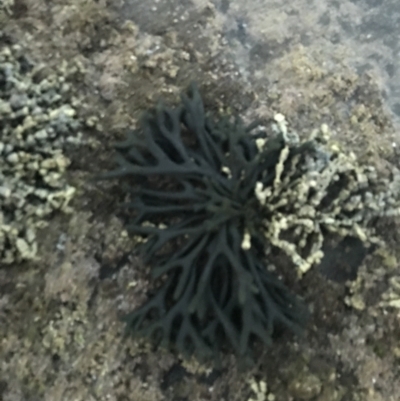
(191, 183)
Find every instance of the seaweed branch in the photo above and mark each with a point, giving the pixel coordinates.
(209, 199)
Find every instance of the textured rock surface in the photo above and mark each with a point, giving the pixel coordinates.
(59, 332)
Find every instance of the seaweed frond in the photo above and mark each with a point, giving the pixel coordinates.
(193, 202)
(210, 199)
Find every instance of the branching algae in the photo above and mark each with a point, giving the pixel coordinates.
(210, 199)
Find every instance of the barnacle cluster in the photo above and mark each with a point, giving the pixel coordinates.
(210, 199)
(36, 121)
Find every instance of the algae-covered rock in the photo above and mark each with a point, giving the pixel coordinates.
(37, 120)
(212, 198)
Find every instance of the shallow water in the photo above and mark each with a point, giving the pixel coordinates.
(365, 32)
